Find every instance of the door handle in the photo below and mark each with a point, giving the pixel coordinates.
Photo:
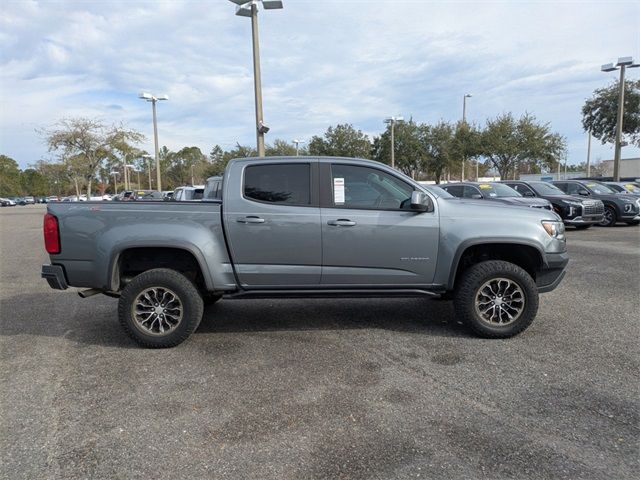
(341, 222)
(250, 219)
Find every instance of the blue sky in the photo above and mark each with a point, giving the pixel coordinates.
(323, 62)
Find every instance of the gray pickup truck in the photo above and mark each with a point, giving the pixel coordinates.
(306, 227)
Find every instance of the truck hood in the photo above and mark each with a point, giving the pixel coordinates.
(523, 202)
(464, 207)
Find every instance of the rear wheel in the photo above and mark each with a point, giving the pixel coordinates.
(496, 299)
(609, 219)
(160, 308)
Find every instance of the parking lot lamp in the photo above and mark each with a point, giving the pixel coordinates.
(297, 143)
(623, 64)
(115, 179)
(148, 158)
(153, 99)
(249, 8)
(464, 121)
(391, 121)
(132, 167)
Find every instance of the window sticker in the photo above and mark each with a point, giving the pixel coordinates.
(338, 191)
(485, 186)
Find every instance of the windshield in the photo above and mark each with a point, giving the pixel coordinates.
(545, 188)
(599, 188)
(630, 187)
(497, 190)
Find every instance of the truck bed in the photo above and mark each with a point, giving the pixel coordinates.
(93, 235)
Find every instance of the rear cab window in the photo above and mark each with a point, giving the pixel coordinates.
(280, 184)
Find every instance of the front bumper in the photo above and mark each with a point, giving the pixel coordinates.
(55, 277)
(553, 271)
(586, 220)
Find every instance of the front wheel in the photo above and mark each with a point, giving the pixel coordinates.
(496, 299)
(160, 308)
(609, 218)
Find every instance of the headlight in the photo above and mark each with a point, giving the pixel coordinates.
(554, 229)
(574, 204)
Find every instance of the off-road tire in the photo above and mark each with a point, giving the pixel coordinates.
(474, 278)
(182, 287)
(610, 217)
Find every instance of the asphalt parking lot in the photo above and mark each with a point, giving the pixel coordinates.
(322, 388)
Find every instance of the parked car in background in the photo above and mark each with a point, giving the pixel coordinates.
(7, 202)
(495, 192)
(617, 207)
(627, 188)
(185, 194)
(213, 188)
(123, 196)
(166, 195)
(52, 198)
(29, 200)
(578, 211)
(146, 196)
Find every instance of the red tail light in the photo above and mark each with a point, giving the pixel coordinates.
(51, 234)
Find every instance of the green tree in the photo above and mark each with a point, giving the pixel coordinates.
(437, 143)
(218, 166)
(511, 144)
(186, 164)
(465, 147)
(282, 148)
(82, 140)
(600, 112)
(9, 176)
(33, 183)
(341, 141)
(409, 152)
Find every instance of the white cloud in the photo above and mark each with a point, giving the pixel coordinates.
(322, 62)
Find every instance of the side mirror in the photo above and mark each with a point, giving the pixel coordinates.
(583, 192)
(476, 196)
(420, 202)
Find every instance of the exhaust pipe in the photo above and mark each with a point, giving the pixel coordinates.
(89, 292)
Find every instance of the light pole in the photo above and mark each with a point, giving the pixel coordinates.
(115, 179)
(297, 142)
(464, 121)
(589, 154)
(249, 8)
(391, 121)
(153, 99)
(623, 63)
(149, 158)
(133, 167)
(193, 181)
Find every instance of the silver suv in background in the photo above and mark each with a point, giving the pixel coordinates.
(185, 194)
